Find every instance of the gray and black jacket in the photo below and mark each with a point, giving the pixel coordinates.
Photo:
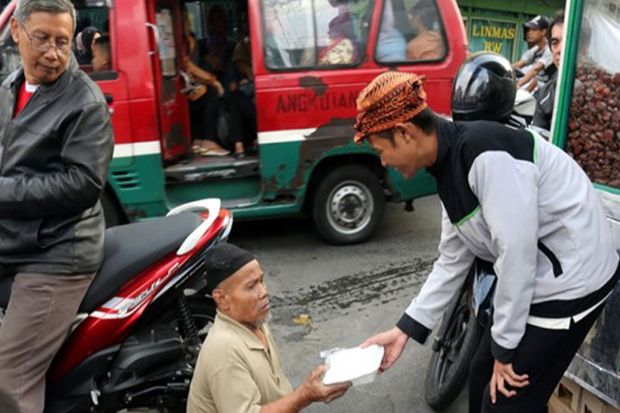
(511, 198)
(545, 100)
(54, 159)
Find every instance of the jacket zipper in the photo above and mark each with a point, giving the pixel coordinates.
(4, 145)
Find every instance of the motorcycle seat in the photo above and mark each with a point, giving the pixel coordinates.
(128, 250)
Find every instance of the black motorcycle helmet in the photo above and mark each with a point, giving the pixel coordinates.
(485, 88)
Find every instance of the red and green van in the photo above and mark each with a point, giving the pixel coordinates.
(306, 163)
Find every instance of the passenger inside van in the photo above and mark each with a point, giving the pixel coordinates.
(427, 43)
(216, 49)
(342, 48)
(203, 93)
(240, 98)
(83, 44)
(392, 44)
(101, 53)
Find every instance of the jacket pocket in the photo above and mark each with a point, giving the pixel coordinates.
(555, 263)
(19, 236)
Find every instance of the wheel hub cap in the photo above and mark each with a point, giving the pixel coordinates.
(350, 208)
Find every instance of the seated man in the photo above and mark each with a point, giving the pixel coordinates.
(536, 62)
(238, 369)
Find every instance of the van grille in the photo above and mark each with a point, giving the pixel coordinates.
(126, 179)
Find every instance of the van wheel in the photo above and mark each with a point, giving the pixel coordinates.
(348, 205)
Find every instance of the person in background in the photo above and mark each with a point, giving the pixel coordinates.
(215, 51)
(84, 44)
(238, 368)
(392, 44)
(427, 44)
(204, 94)
(545, 96)
(241, 100)
(536, 61)
(57, 143)
(102, 57)
(341, 48)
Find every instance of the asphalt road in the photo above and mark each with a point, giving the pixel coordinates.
(349, 294)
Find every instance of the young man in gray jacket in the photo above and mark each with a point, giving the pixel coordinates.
(55, 147)
(513, 199)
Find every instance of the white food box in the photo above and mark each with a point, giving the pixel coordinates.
(357, 365)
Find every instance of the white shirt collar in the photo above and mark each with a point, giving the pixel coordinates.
(31, 88)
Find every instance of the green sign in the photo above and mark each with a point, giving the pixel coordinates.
(492, 36)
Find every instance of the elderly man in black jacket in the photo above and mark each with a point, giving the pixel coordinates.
(55, 147)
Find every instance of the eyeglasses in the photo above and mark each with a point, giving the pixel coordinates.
(43, 44)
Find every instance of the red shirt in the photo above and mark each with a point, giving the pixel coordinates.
(23, 96)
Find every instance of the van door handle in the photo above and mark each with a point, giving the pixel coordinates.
(109, 99)
(156, 34)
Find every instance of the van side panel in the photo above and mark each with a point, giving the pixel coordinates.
(307, 115)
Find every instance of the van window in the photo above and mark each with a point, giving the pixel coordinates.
(167, 48)
(411, 31)
(92, 45)
(314, 33)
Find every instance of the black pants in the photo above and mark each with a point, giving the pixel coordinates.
(242, 118)
(542, 354)
(203, 115)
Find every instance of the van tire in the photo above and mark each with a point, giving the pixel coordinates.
(348, 205)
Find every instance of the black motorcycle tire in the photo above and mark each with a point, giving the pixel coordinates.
(448, 368)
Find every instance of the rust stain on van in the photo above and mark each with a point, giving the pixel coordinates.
(270, 184)
(336, 133)
(314, 83)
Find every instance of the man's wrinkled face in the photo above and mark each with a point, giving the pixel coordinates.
(557, 36)
(244, 295)
(44, 42)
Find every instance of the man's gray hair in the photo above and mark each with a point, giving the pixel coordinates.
(26, 7)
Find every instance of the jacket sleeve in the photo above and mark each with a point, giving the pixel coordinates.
(444, 281)
(86, 153)
(507, 190)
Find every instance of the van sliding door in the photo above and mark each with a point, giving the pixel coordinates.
(166, 21)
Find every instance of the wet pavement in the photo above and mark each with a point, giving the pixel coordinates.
(325, 296)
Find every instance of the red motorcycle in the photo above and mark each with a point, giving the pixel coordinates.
(144, 318)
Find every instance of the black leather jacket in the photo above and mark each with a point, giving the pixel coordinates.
(54, 159)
